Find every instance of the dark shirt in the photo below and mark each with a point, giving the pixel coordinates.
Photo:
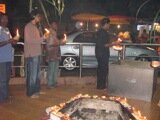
(102, 38)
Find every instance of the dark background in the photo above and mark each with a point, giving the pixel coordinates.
(18, 10)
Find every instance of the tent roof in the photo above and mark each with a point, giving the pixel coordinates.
(115, 19)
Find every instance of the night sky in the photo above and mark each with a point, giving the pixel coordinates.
(19, 13)
(19, 8)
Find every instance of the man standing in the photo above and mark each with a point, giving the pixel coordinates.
(32, 54)
(6, 56)
(53, 55)
(102, 54)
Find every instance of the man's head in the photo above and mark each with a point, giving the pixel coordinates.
(105, 23)
(36, 16)
(3, 19)
(54, 26)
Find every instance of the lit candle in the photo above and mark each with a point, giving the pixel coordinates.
(47, 31)
(65, 37)
(17, 33)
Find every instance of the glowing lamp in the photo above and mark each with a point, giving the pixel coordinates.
(118, 26)
(96, 25)
(81, 23)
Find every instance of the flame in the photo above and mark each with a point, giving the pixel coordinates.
(136, 113)
(119, 40)
(47, 31)
(117, 47)
(17, 33)
(65, 37)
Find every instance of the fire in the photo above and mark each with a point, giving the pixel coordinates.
(65, 37)
(55, 109)
(117, 47)
(17, 33)
(47, 31)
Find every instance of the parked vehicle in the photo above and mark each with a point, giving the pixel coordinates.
(85, 39)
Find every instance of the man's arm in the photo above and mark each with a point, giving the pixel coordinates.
(3, 43)
(10, 41)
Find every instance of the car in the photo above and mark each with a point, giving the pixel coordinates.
(71, 52)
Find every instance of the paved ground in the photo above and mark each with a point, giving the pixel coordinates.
(21, 107)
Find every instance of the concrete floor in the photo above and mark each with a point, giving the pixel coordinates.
(21, 107)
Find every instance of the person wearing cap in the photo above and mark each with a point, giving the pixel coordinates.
(102, 53)
(32, 54)
(6, 56)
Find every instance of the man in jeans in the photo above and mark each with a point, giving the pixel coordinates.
(32, 54)
(53, 55)
(6, 56)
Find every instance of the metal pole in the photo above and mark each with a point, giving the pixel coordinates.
(123, 52)
(80, 65)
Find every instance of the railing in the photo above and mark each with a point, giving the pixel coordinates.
(80, 56)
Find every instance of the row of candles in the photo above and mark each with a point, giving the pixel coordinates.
(47, 32)
(136, 113)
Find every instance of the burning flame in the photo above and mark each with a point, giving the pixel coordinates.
(117, 47)
(17, 33)
(47, 31)
(136, 113)
(65, 37)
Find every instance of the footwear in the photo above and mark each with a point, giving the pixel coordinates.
(34, 96)
(42, 93)
(50, 87)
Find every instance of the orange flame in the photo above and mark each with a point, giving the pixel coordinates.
(117, 47)
(65, 37)
(17, 33)
(47, 31)
(136, 113)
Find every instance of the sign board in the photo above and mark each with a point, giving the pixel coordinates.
(3, 8)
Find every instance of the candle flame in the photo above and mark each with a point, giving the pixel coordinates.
(17, 33)
(47, 31)
(65, 37)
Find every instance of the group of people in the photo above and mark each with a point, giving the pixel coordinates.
(32, 54)
(6, 55)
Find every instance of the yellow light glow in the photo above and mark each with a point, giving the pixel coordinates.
(47, 31)
(96, 25)
(17, 33)
(118, 26)
(81, 24)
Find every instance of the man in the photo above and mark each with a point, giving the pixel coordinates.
(53, 55)
(32, 54)
(102, 53)
(6, 56)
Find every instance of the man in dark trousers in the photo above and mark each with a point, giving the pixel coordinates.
(102, 53)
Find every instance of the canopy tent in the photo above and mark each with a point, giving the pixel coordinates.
(115, 19)
(87, 17)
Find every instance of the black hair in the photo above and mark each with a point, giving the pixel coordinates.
(34, 13)
(104, 21)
